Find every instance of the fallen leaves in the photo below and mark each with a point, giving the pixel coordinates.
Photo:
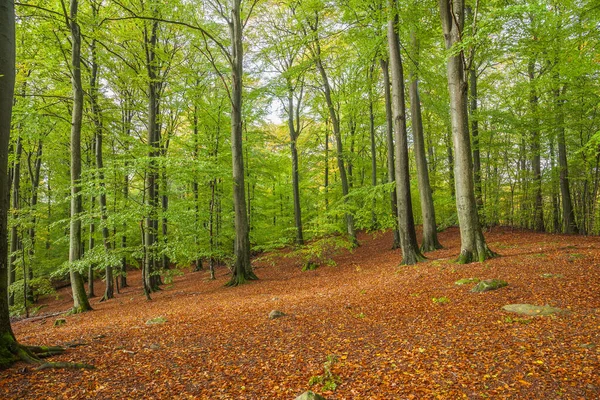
(391, 338)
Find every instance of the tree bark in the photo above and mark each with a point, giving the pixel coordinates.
(406, 225)
(7, 85)
(538, 206)
(294, 127)
(391, 169)
(473, 245)
(370, 78)
(568, 215)
(242, 269)
(430, 240)
(80, 300)
(335, 122)
(14, 231)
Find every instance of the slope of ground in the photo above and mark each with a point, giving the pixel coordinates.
(391, 339)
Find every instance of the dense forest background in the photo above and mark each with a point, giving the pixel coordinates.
(294, 92)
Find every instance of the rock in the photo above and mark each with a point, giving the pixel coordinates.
(466, 281)
(532, 310)
(309, 395)
(155, 346)
(489, 284)
(60, 322)
(156, 321)
(276, 314)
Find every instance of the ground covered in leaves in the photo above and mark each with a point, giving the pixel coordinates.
(388, 331)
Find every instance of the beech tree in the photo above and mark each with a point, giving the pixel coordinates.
(473, 245)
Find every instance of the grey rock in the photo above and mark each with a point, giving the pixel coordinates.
(489, 284)
(532, 310)
(276, 314)
(309, 395)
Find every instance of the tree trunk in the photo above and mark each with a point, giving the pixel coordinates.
(391, 173)
(14, 231)
(406, 225)
(7, 83)
(91, 244)
(294, 133)
(34, 174)
(150, 231)
(370, 77)
(80, 300)
(242, 269)
(337, 135)
(430, 240)
(473, 245)
(538, 206)
(568, 216)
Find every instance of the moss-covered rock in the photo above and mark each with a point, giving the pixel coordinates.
(489, 284)
(60, 322)
(309, 395)
(532, 310)
(466, 281)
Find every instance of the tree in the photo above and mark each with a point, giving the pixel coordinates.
(80, 300)
(406, 225)
(473, 245)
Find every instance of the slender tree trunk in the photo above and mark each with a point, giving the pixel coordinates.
(555, 196)
(430, 240)
(14, 231)
(34, 174)
(150, 231)
(568, 215)
(371, 80)
(294, 133)
(242, 270)
(391, 173)
(538, 206)
(406, 225)
(80, 300)
(91, 244)
(473, 245)
(337, 136)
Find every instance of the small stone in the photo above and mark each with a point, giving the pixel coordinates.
(275, 299)
(156, 321)
(489, 284)
(155, 346)
(276, 314)
(60, 322)
(310, 395)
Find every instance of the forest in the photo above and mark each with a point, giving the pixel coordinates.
(155, 149)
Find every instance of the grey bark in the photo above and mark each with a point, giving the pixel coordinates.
(430, 240)
(473, 245)
(80, 300)
(568, 215)
(538, 206)
(406, 225)
(14, 231)
(391, 169)
(294, 128)
(242, 269)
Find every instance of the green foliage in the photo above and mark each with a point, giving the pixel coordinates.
(517, 320)
(328, 379)
(321, 252)
(38, 286)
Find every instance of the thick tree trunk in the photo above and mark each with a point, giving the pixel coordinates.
(538, 206)
(391, 169)
(430, 240)
(406, 225)
(473, 245)
(7, 85)
(242, 269)
(80, 300)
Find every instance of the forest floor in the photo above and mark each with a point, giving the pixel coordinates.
(397, 332)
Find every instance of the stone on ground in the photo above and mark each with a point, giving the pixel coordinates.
(309, 395)
(489, 284)
(276, 314)
(531, 309)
